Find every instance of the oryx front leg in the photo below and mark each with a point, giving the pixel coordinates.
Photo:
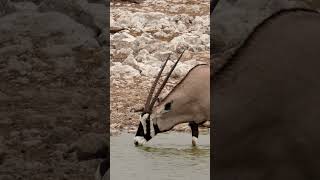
(195, 132)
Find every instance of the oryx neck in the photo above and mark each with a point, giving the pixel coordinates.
(180, 82)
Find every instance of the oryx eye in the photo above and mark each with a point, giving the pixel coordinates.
(167, 106)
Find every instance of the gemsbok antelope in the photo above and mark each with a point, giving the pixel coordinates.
(188, 102)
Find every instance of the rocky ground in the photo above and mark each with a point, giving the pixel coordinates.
(52, 89)
(142, 35)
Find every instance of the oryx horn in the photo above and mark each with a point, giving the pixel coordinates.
(164, 82)
(147, 105)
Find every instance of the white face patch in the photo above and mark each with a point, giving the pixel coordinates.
(143, 121)
(140, 140)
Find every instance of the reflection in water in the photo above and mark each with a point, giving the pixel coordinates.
(191, 151)
(167, 156)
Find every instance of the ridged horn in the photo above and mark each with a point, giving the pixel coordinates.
(147, 105)
(164, 83)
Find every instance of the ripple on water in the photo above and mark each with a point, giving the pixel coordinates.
(167, 156)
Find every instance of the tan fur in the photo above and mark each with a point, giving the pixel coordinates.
(190, 100)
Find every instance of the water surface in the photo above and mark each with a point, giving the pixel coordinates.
(168, 156)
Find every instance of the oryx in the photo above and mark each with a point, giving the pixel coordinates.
(189, 101)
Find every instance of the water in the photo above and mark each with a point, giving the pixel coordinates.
(168, 156)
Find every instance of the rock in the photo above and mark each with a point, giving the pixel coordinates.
(200, 25)
(58, 155)
(55, 51)
(131, 61)
(7, 177)
(142, 55)
(33, 165)
(59, 133)
(139, 20)
(162, 56)
(143, 42)
(61, 147)
(6, 7)
(181, 70)
(18, 66)
(125, 71)
(5, 121)
(25, 6)
(3, 150)
(149, 70)
(30, 133)
(76, 9)
(91, 146)
(98, 12)
(114, 26)
(61, 39)
(191, 41)
(122, 53)
(32, 143)
(153, 35)
(121, 40)
(232, 31)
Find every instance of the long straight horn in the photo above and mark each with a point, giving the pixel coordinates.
(147, 105)
(164, 82)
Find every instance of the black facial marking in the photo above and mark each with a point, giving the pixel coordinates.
(140, 131)
(148, 136)
(156, 129)
(167, 106)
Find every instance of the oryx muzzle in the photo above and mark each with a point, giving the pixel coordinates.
(147, 128)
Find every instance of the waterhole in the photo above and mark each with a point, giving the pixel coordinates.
(168, 156)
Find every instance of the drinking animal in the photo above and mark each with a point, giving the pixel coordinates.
(188, 102)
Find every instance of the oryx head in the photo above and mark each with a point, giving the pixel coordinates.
(148, 126)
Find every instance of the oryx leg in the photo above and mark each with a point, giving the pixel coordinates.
(195, 132)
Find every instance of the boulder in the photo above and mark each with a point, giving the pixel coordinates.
(99, 14)
(49, 34)
(233, 26)
(25, 6)
(6, 7)
(76, 9)
(119, 70)
(91, 146)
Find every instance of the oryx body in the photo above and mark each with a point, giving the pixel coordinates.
(189, 101)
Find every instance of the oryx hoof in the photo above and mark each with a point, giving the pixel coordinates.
(194, 141)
